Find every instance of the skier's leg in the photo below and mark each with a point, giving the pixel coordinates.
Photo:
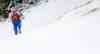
(19, 26)
(15, 28)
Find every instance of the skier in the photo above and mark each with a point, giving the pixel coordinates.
(15, 17)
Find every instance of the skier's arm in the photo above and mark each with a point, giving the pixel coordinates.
(9, 17)
(21, 15)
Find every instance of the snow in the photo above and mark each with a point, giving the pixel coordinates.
(49, 29)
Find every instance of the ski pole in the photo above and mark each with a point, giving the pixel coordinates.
(26, 8)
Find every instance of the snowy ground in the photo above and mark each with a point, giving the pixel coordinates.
(54, 30)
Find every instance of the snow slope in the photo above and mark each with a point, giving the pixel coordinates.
(76, 32)
(47, 13)
(42, 15)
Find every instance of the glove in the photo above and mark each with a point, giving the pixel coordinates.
(18, 17)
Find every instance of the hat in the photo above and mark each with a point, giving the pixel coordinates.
(13, 9)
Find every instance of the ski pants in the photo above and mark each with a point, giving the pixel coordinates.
(17, 26)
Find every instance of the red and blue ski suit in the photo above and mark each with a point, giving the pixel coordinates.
(14, 17)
